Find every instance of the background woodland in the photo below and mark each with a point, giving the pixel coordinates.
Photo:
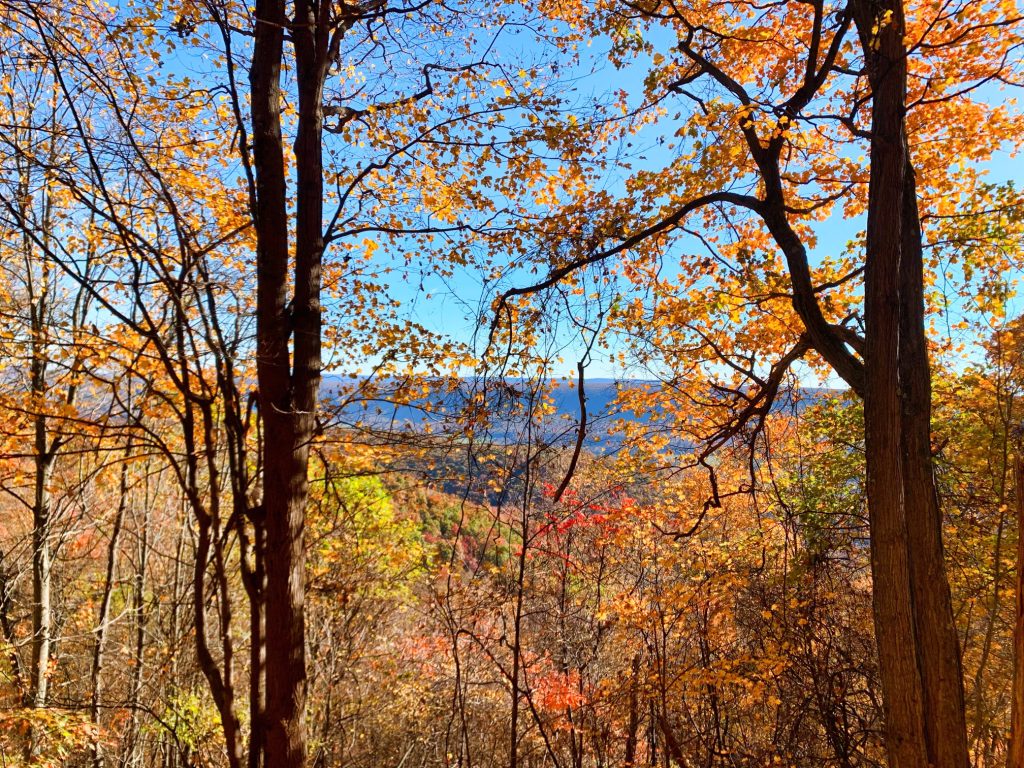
(310, 448)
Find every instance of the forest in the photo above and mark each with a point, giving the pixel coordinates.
(544, 384)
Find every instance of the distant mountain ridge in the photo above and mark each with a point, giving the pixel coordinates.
(560, 425)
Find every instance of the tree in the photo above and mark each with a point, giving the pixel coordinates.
(177, 229)
(778, 95)
(47, 329)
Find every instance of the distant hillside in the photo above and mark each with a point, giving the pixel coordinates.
(507, 403)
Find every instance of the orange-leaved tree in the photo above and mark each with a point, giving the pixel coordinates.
(771, 119)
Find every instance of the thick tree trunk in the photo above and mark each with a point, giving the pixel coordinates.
(941, 672)
(289, 378)
(919, 657)
(890, 567)
(284, 478)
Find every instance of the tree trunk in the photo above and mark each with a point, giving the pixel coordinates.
(1015, 751)
(289, 379)
(257, 649)
(634, 713)
(919, 658)
(42, 608)
(104, 617)
(890, 567)
(942, 676)
(42, 612)
(139, 609)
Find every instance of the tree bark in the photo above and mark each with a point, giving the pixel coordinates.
(893, 609)
(131, 738)
(104, 617)
(919, 657)
(634, 713)
(288, 339)
(42, 609)
(42, 612)
(255, 585)
(942, 676)
(1015, 751)
(42, 556)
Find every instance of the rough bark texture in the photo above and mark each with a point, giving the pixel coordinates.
(288, 338)
(285, 672)
(919, 658)
(941, 672)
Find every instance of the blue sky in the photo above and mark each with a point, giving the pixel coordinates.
(453, 306)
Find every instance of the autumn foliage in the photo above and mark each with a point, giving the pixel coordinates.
(569, 383)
